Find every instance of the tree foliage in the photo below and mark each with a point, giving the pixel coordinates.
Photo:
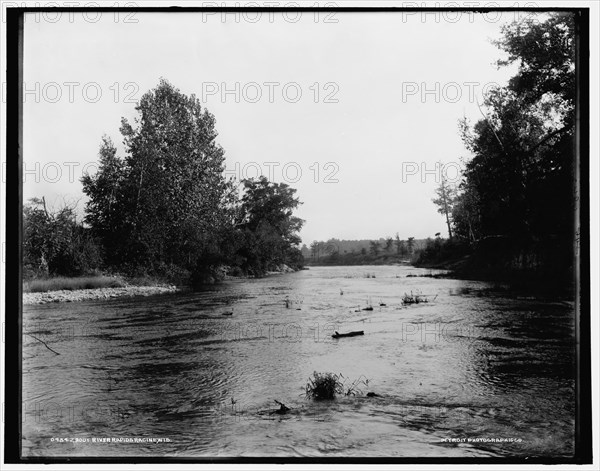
(165, 207)
(374, 247)
(519, 183)
(268, 227)
(54, 243)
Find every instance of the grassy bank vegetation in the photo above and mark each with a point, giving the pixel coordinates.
(72, 283)
(95, 281)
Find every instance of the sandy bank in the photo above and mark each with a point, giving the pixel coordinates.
(94, 294)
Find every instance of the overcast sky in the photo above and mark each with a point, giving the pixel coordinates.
(353, 113)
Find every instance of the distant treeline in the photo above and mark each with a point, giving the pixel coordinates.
(384, 250)
(165, 208)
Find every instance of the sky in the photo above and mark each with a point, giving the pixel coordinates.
(353, 110)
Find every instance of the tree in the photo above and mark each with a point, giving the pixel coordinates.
(107, 202)
(374, 247)
(518, 186)
(315, 249)
(444, 200)
(267, 221)
(166, 203)
(545, 52)
(545, 82)
(465, 214)
(54, 243)
(410, 245)
(389, 243)
(522, 167)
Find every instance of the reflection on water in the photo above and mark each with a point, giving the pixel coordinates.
(474, 364)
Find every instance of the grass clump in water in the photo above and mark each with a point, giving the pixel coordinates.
(324, 386)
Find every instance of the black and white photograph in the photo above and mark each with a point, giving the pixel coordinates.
(300, 233)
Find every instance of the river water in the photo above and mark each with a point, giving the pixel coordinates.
(454, 376)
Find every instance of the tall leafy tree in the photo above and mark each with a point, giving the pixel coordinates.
(519, 183)
(545, 52)
(166, 201)
(107, 205)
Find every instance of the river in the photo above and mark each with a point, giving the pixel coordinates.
(479, 371)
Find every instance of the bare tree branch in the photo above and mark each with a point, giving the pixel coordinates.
(45, 344)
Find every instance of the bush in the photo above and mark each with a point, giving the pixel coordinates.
(440, 251)
(54, 243)
(324, 386)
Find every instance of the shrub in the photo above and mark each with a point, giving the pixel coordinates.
(54, 243)
(324, 386)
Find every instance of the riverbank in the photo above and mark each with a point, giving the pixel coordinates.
(68, 296)
(357, 259)
(278, 270)
(118, 288)
(543, 283)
